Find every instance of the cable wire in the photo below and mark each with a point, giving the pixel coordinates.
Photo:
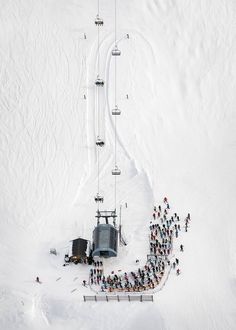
(98, 110)
(115, 128)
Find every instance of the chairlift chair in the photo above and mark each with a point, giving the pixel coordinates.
(98, 20)
(116, 171)
(100, 142)
(99, 82)
(116, 111)
(116, 51)
(98, 198)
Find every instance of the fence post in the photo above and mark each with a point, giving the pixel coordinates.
(107, 298)
(95, 298)
(141, 298)
(84, 298)
(129, 297)
(118, 298)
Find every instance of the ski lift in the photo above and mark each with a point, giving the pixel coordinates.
(116, 51)
(98, 198)
(100, 142)
(98, 20)
(116, 111)
(99, 82)
(116, 171)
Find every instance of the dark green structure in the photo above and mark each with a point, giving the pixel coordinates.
(105, 236)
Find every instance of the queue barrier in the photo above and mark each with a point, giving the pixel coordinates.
(141, 298)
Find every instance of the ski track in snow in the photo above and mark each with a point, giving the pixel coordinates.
(106, 46)
(37, 314)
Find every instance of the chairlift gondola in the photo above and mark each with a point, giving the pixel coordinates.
(98, 20)
(116, 111)
(98, 198)
(100, 142)
(116, 51)
(99, 82)
(116, 171)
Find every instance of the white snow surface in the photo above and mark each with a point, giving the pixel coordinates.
(176, 138)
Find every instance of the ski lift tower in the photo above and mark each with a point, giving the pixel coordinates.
(105, 235)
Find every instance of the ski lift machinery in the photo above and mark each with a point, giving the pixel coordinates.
(99, 198)
(116, 51)
(98, 20)
(100, 142)
(105, 235)
(116, 171)
(99, 82)
(116, 111)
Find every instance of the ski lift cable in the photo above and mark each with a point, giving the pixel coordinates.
(115, 183)
(115, 23)
(115, 131)
(98, 169)
(98, 51)
(98, 109)
(98, 100)
(98, 69)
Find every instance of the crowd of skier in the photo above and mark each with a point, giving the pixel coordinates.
(163, 230)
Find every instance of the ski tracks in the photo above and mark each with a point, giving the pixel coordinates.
(106, 119)
(38, 314)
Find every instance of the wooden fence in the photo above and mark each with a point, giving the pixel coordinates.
(141, 298)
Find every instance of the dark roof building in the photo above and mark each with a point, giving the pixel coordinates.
(105, 239)
(80, 249)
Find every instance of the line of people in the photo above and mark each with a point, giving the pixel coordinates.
(163, 230)
(143, 279)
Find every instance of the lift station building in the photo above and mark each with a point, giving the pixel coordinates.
(105, 236)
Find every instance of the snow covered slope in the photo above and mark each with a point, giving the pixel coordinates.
(176, 137)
